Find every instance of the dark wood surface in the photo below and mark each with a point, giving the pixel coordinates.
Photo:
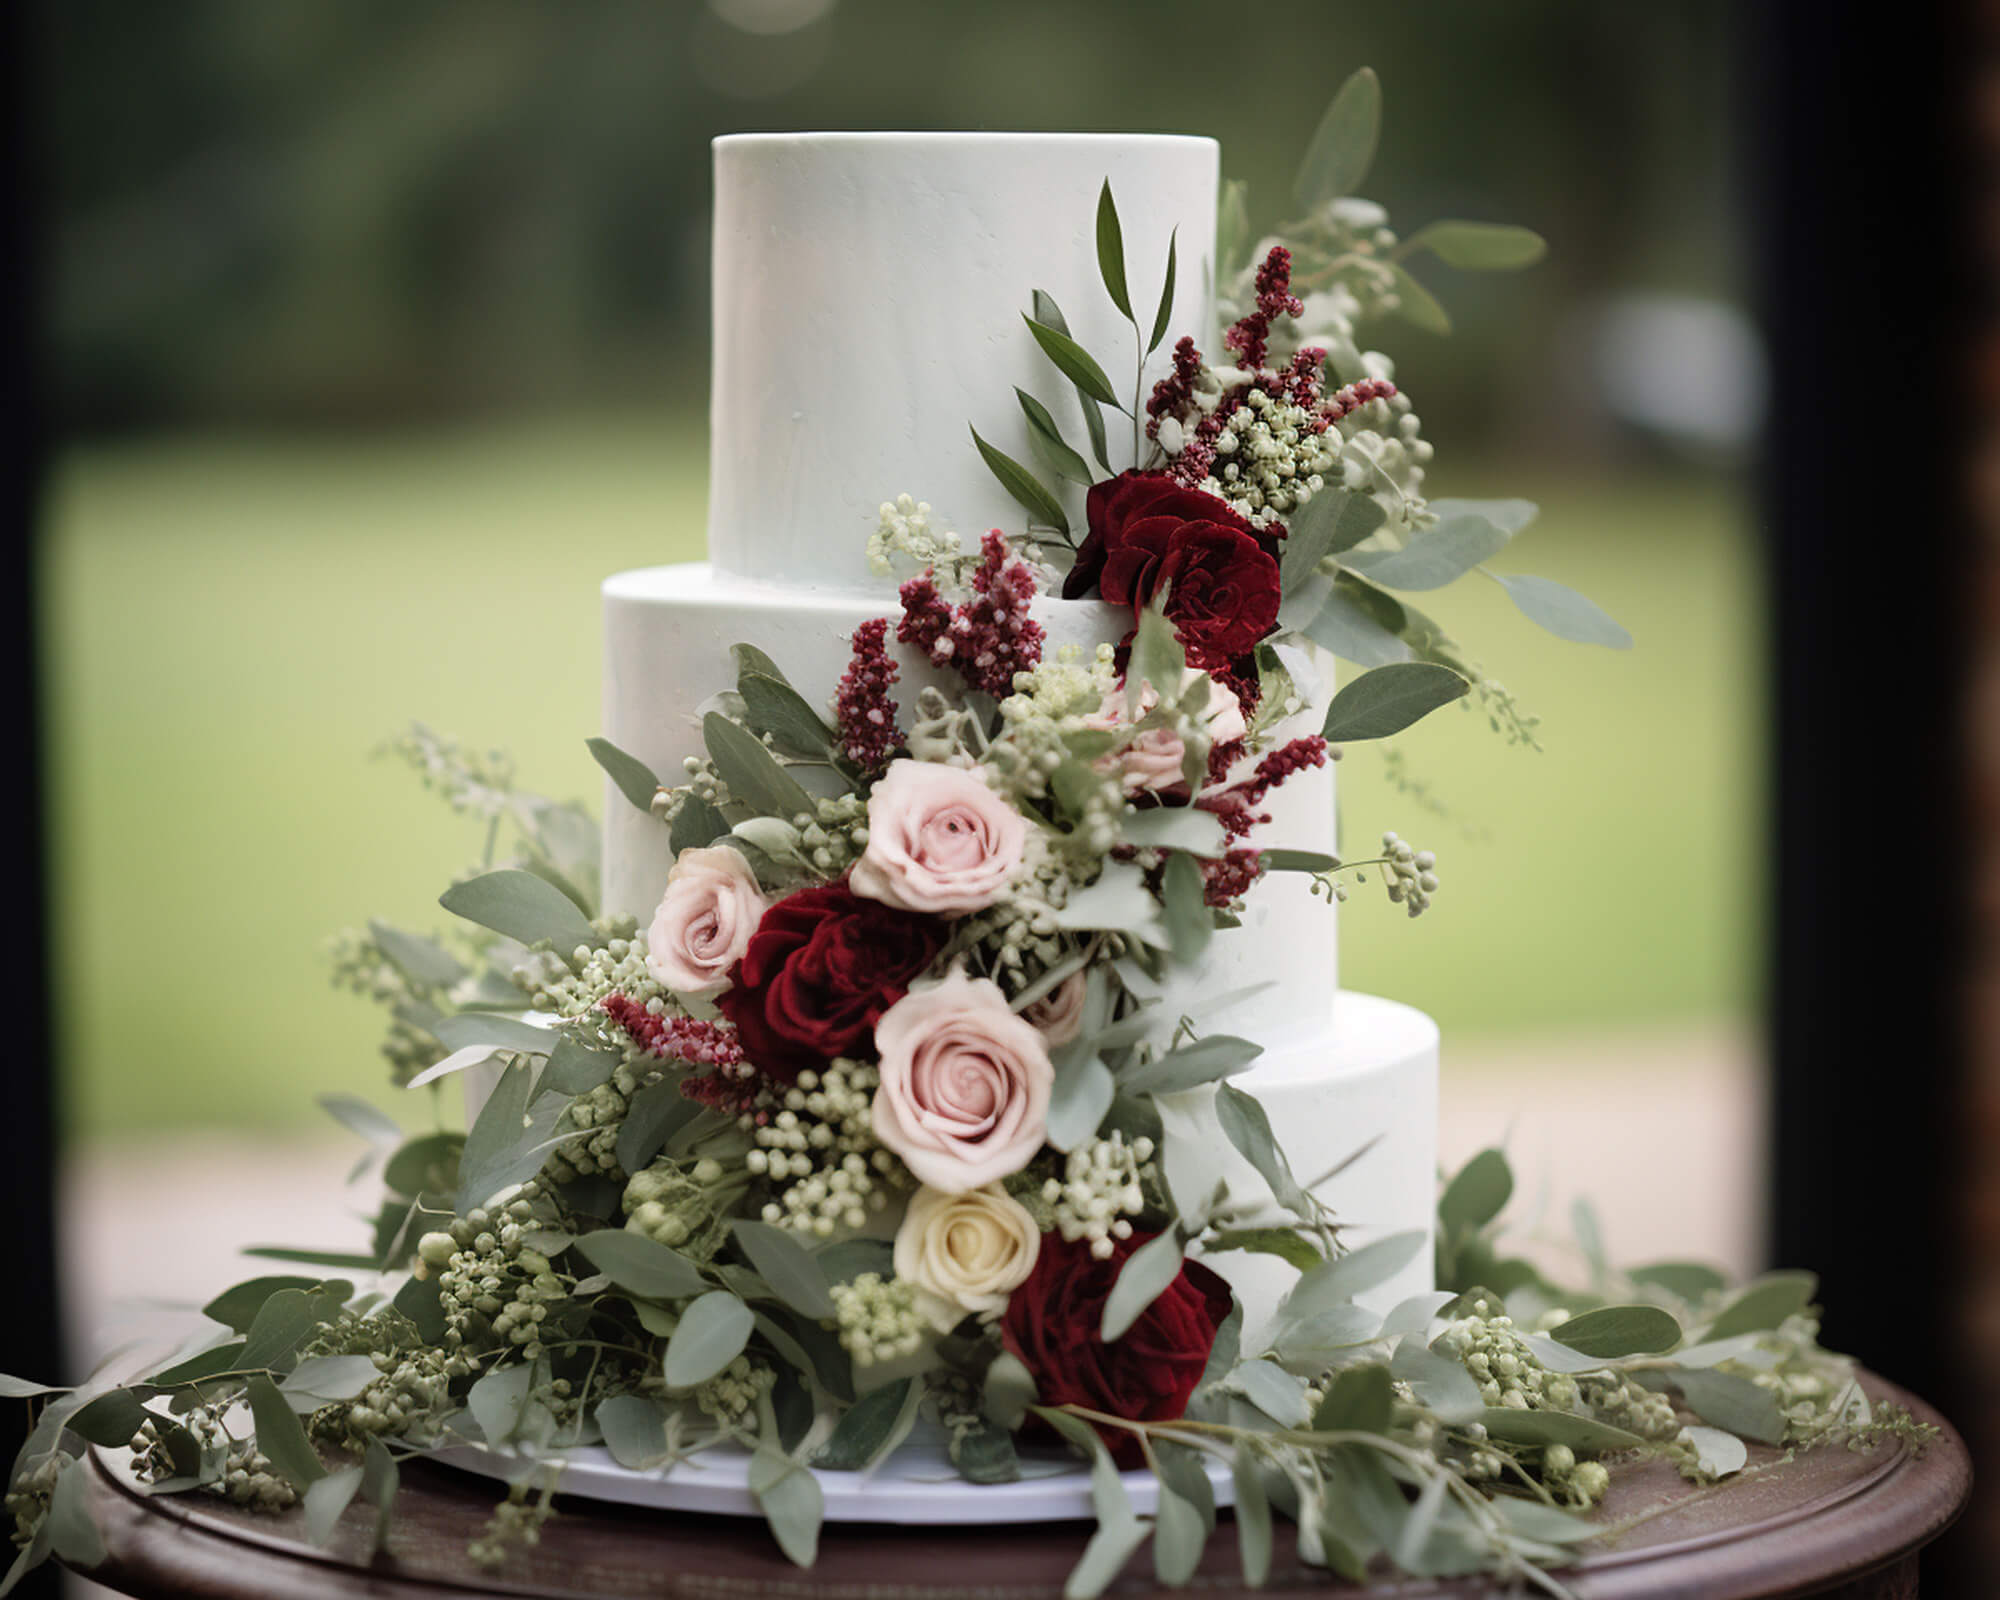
(1829, 1522)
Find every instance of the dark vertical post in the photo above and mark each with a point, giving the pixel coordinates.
(1858, 119)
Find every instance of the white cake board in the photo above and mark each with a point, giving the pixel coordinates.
(915, 1485)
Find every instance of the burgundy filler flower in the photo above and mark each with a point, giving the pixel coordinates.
(1052, 1322)
(822, 967)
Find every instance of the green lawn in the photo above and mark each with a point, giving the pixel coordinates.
(230, 627)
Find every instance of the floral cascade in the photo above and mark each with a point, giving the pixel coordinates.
(865, 1123)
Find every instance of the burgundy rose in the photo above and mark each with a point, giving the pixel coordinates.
(1113, 507)
(820, 970)
(1052, 1324)
(1223, 591)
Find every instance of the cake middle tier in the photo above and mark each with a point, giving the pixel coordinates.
(667, 638)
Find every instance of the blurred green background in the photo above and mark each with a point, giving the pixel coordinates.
(378, 334)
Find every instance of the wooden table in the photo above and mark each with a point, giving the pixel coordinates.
(1830, 1522)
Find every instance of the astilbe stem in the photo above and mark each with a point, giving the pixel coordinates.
(990, 637)
(1251, 337)
(864, 710)
(731, 1085)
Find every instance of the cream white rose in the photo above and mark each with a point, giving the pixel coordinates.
(1152, 761)
(1058, 1015)
(939, 840)
(964, 1094)
(704, 921)
(965, 1252)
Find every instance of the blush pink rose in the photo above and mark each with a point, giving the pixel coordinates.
(964, 1096)
(939, 840)
(1152, 762)
(704, 921)
(1058, 1015)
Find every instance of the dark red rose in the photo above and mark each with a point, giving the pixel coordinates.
(818, 973)
(1113, 507)
(1051, 1326)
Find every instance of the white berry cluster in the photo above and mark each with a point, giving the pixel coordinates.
(1382, 452)
(1100, 1191)
(618, 966)
(732, 1392)
(1269, 459)
(1410, 874)
(904, 529)
(820, 1153)
(877, 1318)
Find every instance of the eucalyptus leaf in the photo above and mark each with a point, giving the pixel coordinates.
(1175, 828)
(1190, 921)
(1253, 1517)
(1286, 860)
(1273, 1391)
(498, 1400)
(1046, 440)
(1083, 1092)
(1416, 305)
(491, 1031)
(749, 658)
(1147, 1274)
(1284, 1243)
(790, 1499)
(1615, 1331)
(1157, 659)
(1355, 1273)
(425, 962)
(1477, 1193)
(984, 1453)
(1343, 147)
(770, 705)
(1685, 1280)
(1719, 1453)
(1438, 556)
(509, 1141)
(1216, 1056)
(527, 909)
(651, 1116)
(576, 1068)
(1043, 508)
(787, 1266)
(1360, 1399)
(635, 780)
(1118, 900)
(865, 1428)
(1344, 626)
(1479, 246)
(635, 1431)
(846, 1260)
(13, 1388)
(642, 1266)
(381, 1478)
(1073, 362)
(327, 1380)
(1166, 306)
(1764, 1304)
(1728, 1401)
(111, 1419)
(281, 1437)
(1557, 1427)
(1246, 1125)
(1386, 700)
(1563, 612)
(283, 1323)
(1007, 1390)
(73, 1536)
(1111, 253)
(1179, 1536)
(751, 771)
(359, 1117)
(695, 824)
(712, 1333)
(1312, 1340)
(327, 1502)
(1104, 1557)
(1332, 521)
(236, 1308)
(1439, 1383)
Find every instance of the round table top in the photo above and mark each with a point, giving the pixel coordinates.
(1827, 1521)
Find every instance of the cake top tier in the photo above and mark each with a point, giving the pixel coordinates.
(869, 291)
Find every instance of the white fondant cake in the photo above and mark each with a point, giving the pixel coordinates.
(868, 299)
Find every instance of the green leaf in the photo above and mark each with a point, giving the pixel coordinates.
(281, 1437)
(1563, 612)
(1688, 1280)
(1007, 1390)
(490, 1030)
(865, 1428)
(1179, 1536)
(1441, 554)
(1763, 1305)
(360, 1118)
(1557, 1427)
(1719, 1453)
(651, 1117)
(1046, 440)
(1043, 509)
(1273, 1391)
(1216, 1056)
(984, 1454)
(327, 1502)
(1118, 899)
(712, 1333)
(509, 1142)
(13, 1388)
(1312, 1342)
(110, 1420)
(1479, 246)
(1338, 1281)
(236, 1308)
(633, 777)
(425, 962)
(1417, 305)
(773, 706)
(499, 1400)
(1284, 860)
(422, 1301)
(849, 1258)
(524, 907)
(326, 1380)
(1359, 1400)
(1728, 1401)
(1174, 828)
(1616, 1331)
(787, 1266)
(1253, 1517)
(1343, 625)
(635, 1431)
(1082, 1094)
(751, 771)
(576, 1068)
(1111, 253)
(1386, 700)
(749, 658)
(1157, 659)
(210, 1363)
(381, 1478)
(283, 1323)
(1477, 1192)
(1343, 148)
(1166, 308)
(1280, 1242)
(72, 1535)
(1438, 1383)
(1073, 362)
(1331, 522)
(1147, 1274)
(642, 1266)
(1184, 905)
(695, 824)
(1247, 1127)
(791, 1501)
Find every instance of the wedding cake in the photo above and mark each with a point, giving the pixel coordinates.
(868, 299)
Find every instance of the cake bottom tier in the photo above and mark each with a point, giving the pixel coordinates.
(1368, 1083)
